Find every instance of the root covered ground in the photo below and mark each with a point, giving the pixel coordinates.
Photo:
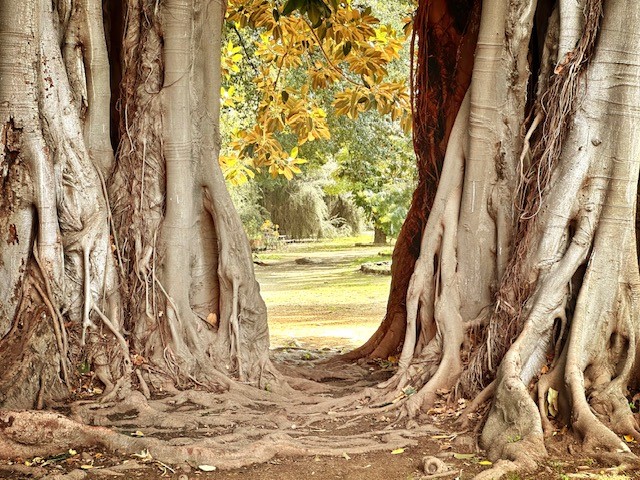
(317, 309)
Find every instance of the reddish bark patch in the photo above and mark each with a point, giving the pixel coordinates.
(443, 45)
(12, 238)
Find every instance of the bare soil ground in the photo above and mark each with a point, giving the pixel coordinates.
(317, 308)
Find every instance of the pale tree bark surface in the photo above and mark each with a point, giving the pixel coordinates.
(527, 274)
(515, 278)
(136, 266)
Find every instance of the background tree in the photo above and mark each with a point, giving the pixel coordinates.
(325, 92)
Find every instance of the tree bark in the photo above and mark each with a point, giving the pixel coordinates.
(166, 239)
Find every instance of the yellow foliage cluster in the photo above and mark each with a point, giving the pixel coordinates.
(350, 50)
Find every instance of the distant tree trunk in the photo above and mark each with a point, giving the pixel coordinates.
(379, 237)
(151, 284)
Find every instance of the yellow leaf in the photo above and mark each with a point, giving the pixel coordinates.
(397, 451)
(346, 456)
(484, 462)
(137, 433)
(206, 468)
(629, 439)
(86, 467)
(294, 152)
(552, 400)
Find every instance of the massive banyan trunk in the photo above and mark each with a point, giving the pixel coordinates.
(105, 259)
(190, 282)
(57, 266)
(526, 280)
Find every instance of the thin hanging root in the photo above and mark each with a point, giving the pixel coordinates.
(86, 320)
(121, 341)
(47, 285)
(57, 327)
(174, 334)
(527, 143)
(235, 327)
(112, 227)
(143, 384)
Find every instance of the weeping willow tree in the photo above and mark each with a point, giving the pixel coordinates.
(516, 273)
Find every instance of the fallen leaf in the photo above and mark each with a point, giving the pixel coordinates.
(144, 455)
(346, 456)
(207, 468)
(72, 452)
(629, 439)
(397, 451)
(464, 456)
(212, 319)
(484, 462)
(552, 400)
(137, 433)
(86, 467)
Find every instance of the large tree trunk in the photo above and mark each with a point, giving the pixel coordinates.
(159, 270)
(526, 275)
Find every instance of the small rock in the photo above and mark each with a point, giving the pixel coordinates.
(308, 261)
(185, 467)
(183, 477)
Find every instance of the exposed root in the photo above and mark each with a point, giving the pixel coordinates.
(194, 427)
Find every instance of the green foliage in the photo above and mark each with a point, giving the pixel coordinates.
(380, 170)
(247, 200)
(299, 208)
(331, 99)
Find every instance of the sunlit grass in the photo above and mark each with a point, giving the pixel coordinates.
(329, 301)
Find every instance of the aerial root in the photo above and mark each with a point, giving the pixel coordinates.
(86, 320)
(58, 328)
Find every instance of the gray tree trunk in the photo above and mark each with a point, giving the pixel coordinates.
(108, 259)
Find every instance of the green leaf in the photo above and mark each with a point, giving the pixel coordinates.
(464, 456)
(285, 96)
(291, 6)
(314, 15)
